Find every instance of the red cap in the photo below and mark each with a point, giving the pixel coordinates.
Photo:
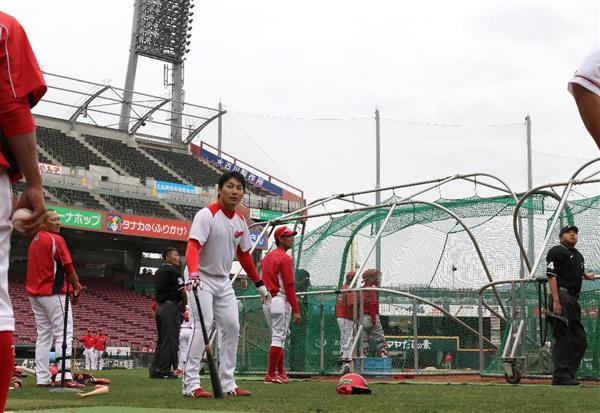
(284, 232)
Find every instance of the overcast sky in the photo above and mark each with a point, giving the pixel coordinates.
(472, 63)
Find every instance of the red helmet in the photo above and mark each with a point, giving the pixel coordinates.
(352, 383)
(372, 276)
(350, 276)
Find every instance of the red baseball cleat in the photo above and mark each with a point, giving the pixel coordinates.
(273, 380)
(284, 378)
(199, 393)
(239, 392)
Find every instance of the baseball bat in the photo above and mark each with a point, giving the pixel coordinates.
(26, 370)
(212, 366)
(99, 390)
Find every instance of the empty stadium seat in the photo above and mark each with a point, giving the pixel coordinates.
(73, 197)
(130, 159)
(187, 211)
(65, 149)
(123, 314)
(194, 170)
(138, 206)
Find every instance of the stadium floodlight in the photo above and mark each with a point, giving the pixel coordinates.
(163, 28)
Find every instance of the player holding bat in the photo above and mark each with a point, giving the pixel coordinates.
(218, 233)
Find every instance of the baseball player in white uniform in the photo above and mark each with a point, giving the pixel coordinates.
(278, 274)
(585, 88)
(218, 234)
(185, 334)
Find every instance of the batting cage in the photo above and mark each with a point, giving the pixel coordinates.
(433, 259)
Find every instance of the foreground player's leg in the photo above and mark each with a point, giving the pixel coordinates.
(226, 316)
(6, 313)
(6, 366)
(191, 386)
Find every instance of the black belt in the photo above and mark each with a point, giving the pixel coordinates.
(570, 292)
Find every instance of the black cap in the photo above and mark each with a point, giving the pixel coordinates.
(567, 229)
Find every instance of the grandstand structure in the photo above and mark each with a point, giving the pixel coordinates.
(123, 196)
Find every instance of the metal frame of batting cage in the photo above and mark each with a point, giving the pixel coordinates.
(517, 334)
(296, 216)
(415, 299)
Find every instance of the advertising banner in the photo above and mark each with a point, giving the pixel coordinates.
(78, 218)
(225, 165)
(147, 226)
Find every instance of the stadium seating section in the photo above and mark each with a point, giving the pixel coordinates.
(66, 149)
(132, 325)
(75, 198)
(130, 159)
(187, 166)
(187, 211)
(194, 170)
(138, 206)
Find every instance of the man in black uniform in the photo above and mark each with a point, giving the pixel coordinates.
(171, 299)
(565, 272)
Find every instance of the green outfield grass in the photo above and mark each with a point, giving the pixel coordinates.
(133, 389)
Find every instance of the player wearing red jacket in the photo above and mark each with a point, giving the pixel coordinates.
(343, 313)
(88, 344)
(218, 233)
(278, 274)
(372, 330)
(21, 87)
(100, 347)
(49, 272)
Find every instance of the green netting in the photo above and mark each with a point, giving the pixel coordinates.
(427, 253)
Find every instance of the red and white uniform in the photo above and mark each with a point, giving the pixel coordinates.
(372, 329)
(343, 314)
(185, 334)
(48, 260)
(21, 87)
(278, 276)
(221, 234)
(88, 351)
(99, 348)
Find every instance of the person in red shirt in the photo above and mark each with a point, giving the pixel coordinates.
(50, 272)
(448, 360)
(372, 330)
(345, 319)
(100, 347)
(88, 343)
(21, 87)
(278, 275)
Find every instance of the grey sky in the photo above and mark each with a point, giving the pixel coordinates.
(459, 62)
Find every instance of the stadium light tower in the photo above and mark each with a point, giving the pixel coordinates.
(161, 31)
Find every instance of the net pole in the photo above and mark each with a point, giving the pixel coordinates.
(377, 184)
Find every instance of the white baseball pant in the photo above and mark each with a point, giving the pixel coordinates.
(99, 359)
(7, 321)
(49, 321)
(218, 302)
(278, 313)
(90, 360)
(185, 334)
(346, 331)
